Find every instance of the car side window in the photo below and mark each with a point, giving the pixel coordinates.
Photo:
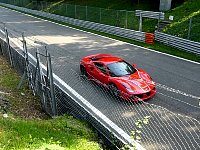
(101, 67)
(111, 73)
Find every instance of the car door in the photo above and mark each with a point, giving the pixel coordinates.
(100, 73)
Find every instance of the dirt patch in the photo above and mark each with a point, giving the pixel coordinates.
(4, 105)
(18, 102)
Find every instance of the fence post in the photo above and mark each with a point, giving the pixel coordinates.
(27, 74)
(54, 106)
(99, 15)
(66, 10)
(189, 28)
(86, 12)
(43, 99)
(126, 21)
(41, 6)
(46, 6)
(8, 47)
(140, 23)
(117, 22)
(1, 51)
(75, 11)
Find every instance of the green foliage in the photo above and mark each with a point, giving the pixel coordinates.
(16, 133)
(182, 14)
(9, 78)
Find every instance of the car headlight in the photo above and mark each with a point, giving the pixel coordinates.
(148, 79)
(128, 88)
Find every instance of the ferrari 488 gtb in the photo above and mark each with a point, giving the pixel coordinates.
(122, 79)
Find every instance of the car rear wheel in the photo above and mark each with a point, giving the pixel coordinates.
(113, 88)
(83, 71)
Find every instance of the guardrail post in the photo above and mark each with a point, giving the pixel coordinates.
(189, 28)
(140, 23)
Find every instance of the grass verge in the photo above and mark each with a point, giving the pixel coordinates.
(27, 127)
(57, 134)
(180, 25)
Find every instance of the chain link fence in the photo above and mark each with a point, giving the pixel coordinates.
(187, 28)
(40, 81)
(118, 18)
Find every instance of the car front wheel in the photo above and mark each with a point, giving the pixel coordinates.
(83, 71)
(113, 88)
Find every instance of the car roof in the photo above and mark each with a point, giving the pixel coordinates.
(107, 59)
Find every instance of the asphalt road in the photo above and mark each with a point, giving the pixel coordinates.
(178, 80)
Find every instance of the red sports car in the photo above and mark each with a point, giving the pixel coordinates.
(124, 80)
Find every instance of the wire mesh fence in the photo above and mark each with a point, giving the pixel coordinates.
(187, 27)
(119, 18)
(165, 130)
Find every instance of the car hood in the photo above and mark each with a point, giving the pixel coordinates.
(140, 82)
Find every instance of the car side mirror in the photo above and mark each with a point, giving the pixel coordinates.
(134, 65)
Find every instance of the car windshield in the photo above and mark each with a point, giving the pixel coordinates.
(119, 69)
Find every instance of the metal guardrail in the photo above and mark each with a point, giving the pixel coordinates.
(150, 14)
(121, 32)
(177, 42)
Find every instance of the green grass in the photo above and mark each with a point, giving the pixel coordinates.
(9, 79)
(59, 133)
(180, 24)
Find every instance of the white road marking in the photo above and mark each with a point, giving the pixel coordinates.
(177, 99)
(176, 91)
